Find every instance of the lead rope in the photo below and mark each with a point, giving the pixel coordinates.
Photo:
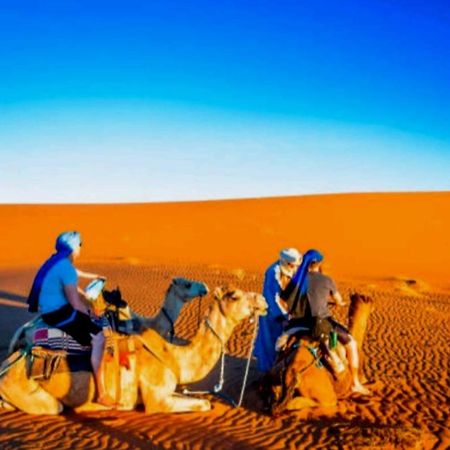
(217, 387)
(169, 319)
(247, 367)
(199, 311)
(22, 354)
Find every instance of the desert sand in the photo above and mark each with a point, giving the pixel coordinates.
(393, 247)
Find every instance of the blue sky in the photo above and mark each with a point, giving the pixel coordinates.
(170, 100)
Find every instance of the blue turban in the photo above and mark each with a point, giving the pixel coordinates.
(68, 241)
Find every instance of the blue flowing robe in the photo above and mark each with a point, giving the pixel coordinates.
(270, 325)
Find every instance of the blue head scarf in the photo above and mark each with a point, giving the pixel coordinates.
(66, 244)
(298, 286)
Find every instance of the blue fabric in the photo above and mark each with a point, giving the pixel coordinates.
(299, 281)
(270, 325)
(33, 297)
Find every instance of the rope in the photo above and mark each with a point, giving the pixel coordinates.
(247, 367)
(218, 386)
(169, 319)
(22, 354)
(199, 310)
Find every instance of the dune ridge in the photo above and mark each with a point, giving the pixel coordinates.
(379, 235)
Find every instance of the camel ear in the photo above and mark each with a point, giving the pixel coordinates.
(218, 293)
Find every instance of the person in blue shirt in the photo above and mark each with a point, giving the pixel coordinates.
(56, 295)
(276, 279)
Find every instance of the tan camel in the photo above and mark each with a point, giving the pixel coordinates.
(301, 381)
(180, 292)
(161, 366)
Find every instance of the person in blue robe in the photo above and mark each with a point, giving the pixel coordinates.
(276, 278)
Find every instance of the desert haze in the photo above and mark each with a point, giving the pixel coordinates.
(392, 247)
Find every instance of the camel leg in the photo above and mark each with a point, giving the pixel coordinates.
(5, 405)
(164, 399)
(91, 407)
(179, 403)
(298, 403)
(26, 394)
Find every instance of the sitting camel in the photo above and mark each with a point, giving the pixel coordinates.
(161, 366)
(301, 380)
(180, 292)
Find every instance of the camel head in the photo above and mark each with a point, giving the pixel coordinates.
(187, 289)
(240, 304)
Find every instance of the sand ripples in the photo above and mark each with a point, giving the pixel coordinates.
(407, 359)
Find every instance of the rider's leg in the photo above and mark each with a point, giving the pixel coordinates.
(98, 363)
(332, 358)
(351, 348)
(353, 361)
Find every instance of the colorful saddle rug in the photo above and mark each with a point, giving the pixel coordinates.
(56, 339)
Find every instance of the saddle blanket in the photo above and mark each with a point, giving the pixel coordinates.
(56, 339)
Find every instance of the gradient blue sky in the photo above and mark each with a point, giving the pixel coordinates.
(104, 101)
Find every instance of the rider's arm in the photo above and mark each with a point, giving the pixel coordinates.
(74, 298)
(284, 308)
(337, 298)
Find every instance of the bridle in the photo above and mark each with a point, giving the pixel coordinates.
(167, 315)
(218, 387)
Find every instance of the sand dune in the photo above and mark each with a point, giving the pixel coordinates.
(399, 253)
(361, 235)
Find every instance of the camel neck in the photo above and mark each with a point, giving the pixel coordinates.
(199, 357)
(172, 307)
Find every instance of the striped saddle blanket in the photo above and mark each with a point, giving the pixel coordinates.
(55, 339)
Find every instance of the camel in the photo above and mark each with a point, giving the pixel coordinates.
(180, 292)
(301, 381)
(161, 366)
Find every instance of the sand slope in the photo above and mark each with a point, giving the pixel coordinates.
(407, 343)
(361, 234)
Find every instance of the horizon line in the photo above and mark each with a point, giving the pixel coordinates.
(227, 199)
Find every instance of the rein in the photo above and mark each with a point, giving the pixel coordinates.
(22, 354)
(218, 387)
(169, 319)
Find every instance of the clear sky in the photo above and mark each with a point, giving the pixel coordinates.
(104, 101)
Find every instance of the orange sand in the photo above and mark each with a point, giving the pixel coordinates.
(376, 244)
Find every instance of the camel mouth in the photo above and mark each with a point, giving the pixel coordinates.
(260, 306)
(203, 290)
